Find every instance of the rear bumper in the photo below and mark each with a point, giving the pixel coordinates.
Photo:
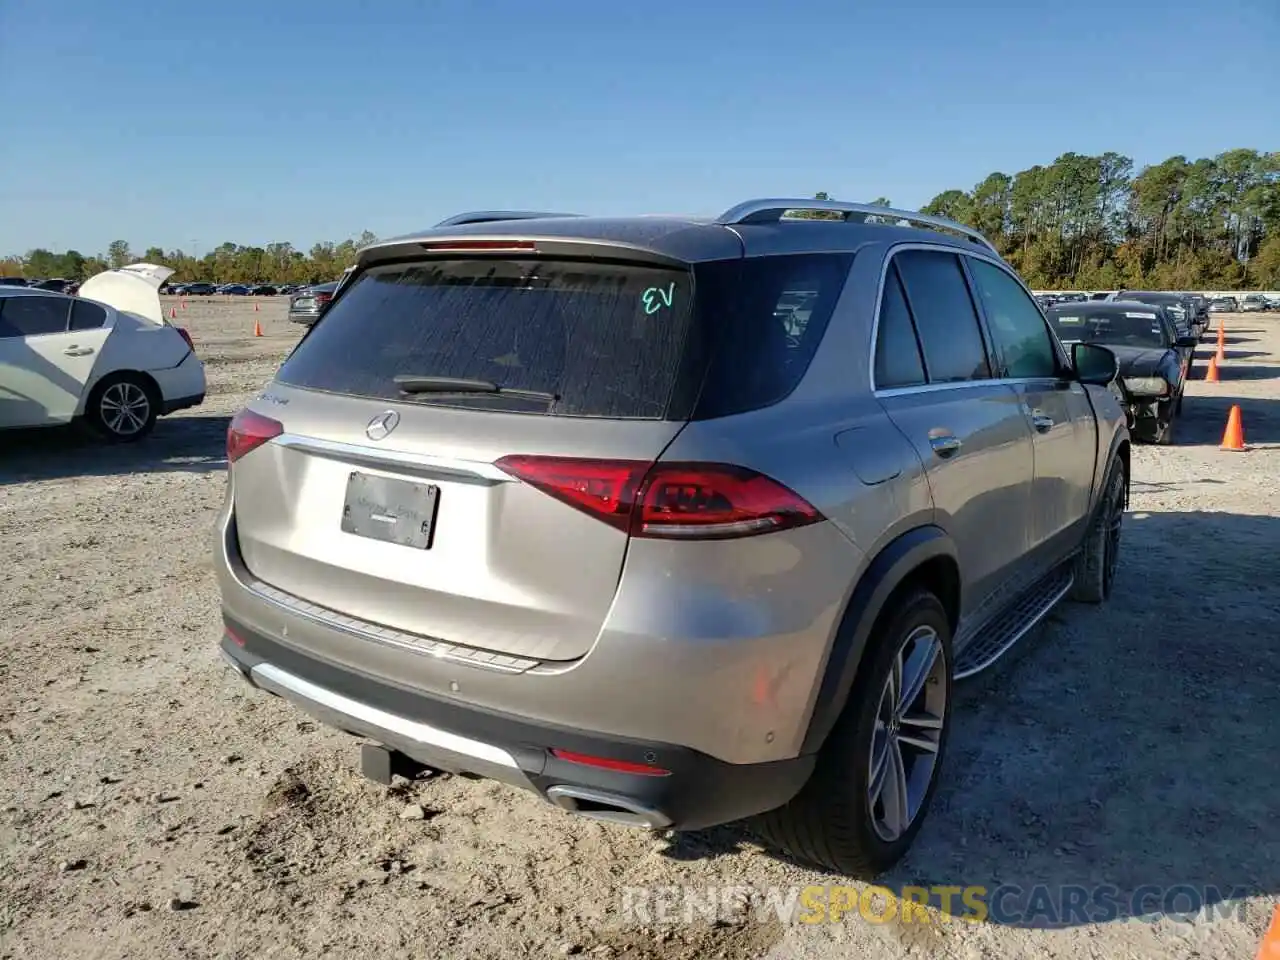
(182, 386)
(696, 791)
(181, 403)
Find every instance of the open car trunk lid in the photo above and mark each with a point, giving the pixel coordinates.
(391, 508)
(134, 289)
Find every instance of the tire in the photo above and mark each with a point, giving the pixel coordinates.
(833, 823)
(122, 408)
(1095, 568)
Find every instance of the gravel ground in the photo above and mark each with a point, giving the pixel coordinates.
(154, 806)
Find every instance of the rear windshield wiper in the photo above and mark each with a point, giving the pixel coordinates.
(413, 384)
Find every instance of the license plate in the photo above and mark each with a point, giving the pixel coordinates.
(303, 304)
(390, 510)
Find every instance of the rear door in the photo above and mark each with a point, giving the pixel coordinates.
(934, 378)
(1063, 431)
(392, 507)
(44, 366)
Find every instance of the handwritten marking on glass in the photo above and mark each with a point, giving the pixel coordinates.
(655, 298)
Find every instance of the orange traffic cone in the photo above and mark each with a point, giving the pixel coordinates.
(1269, 949)
(1222, 335)
(1211, 375)
(257, 329)
(173, 314)
(1233, 436)
(255, 308)
(1221, 355)
(184, 304)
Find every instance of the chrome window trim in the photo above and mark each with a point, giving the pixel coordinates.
(892, 252)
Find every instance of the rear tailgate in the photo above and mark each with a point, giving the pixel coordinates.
(390, 508)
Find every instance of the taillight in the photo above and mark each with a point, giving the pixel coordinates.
(248, 431)
(699, 500)
(182, 332)
(678, 501)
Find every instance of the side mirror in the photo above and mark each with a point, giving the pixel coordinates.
(1187, 342)
(1094, 364)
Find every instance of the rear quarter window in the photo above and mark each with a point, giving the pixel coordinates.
(764, 318)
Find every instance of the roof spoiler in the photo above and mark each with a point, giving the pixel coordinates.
(775, 210)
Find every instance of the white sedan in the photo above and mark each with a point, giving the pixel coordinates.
(106, 358)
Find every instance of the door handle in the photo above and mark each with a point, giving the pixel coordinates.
(78, 351)
(944, 444)
(1041, 421)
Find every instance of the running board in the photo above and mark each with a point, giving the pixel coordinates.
(992, 640)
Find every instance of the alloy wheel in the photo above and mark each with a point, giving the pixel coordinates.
(125, 408)
(907, 734)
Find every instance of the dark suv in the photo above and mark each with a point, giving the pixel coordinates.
(671, 522)
(307, 304)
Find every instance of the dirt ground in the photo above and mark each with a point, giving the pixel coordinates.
(152, 805)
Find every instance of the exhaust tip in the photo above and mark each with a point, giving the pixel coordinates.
(595, 805)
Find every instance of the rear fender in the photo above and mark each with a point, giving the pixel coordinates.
(889, 570)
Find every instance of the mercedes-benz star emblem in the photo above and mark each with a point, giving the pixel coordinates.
(381, 425)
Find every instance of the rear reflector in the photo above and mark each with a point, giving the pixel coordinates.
(603, 763)
(477, 245)
(248, 431)
(675, 501)
(233, 636)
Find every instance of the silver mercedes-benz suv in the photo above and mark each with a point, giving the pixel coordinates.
(672, 522)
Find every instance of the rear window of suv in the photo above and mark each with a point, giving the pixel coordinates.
(603, 340)
(596, 339)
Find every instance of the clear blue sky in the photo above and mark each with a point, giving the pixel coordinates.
(164, 123)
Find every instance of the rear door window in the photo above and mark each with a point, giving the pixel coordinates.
(946, 320)
(87, 316)
(594, 339)
(33, 316)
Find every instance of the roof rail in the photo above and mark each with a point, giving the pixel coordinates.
(491, 216)
(773, 210)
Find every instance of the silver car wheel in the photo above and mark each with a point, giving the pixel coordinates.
(125, 408)
(907, 734)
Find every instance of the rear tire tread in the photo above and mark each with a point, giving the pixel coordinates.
(826, 823)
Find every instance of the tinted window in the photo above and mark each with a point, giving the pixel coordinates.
(764, 318)
(87, 316)
(898, 362)
(945, 319)
(32, 316)
(1018, 332)
(603, 339)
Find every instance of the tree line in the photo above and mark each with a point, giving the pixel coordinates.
(227, 263)
(1091, 223)
(1081, 222)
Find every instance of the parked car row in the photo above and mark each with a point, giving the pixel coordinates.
(56, 284)
(733, 557)
(201, 289)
